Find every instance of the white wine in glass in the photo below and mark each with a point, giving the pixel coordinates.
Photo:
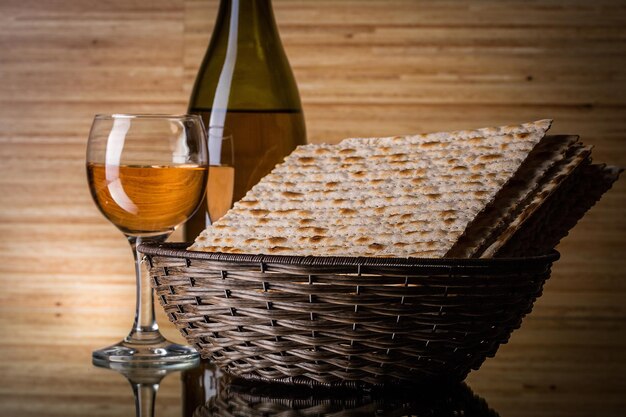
(147, 175)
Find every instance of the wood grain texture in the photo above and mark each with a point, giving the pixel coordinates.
(364, 68)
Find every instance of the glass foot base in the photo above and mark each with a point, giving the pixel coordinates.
(164, 354)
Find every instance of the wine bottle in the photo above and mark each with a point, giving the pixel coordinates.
(247, 96)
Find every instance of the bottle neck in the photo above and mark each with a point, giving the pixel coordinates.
(246, 47)
(249, 20)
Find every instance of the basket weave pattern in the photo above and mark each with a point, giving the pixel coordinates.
(333, 320)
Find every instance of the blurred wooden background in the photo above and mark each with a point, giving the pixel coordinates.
(364, 68)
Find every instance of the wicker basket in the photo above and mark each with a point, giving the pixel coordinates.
(344, 321)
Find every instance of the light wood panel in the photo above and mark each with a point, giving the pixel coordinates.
(364, 68)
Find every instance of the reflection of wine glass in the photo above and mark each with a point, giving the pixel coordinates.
(220, 187)
(145, 384)
(147, 175)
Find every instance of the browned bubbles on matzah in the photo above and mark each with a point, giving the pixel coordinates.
(398, 196)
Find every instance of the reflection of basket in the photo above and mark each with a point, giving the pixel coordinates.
(340, 320)
(271, 400)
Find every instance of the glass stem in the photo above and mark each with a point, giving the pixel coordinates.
(145, 328)
(145, 394)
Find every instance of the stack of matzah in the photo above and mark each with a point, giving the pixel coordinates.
(480, 193)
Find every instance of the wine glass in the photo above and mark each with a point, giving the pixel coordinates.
(221, 183)
(220, 187)
(147, 175)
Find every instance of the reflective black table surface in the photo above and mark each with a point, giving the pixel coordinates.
(207, 392)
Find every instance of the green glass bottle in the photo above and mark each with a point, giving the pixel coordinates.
(248, 99)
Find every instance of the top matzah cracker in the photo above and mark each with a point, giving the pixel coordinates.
(391, 197)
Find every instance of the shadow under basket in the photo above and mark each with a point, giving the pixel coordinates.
(344, 321)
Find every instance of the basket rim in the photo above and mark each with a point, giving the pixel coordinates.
(179, 250)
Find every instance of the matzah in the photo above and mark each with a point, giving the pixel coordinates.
(486, 227)
(404, 196)
(561, 211)
(576, 156)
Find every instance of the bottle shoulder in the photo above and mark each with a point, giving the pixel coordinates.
(256, 76)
